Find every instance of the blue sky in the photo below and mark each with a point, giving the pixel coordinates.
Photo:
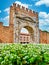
(40, 6)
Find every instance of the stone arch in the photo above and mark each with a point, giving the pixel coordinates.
(28, 23)
(30, 30)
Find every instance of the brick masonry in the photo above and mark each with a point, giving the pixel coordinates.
(6, 33)
(44, 37)
(19, 18)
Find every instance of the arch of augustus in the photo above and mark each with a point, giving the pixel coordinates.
(20, 17)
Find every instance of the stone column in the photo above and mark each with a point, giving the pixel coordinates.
(37, 33)
(16, 30)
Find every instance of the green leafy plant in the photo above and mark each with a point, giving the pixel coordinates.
(24, 54)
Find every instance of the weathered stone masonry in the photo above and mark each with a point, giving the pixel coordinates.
(20, 18)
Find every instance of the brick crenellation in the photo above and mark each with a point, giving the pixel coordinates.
(19, 8)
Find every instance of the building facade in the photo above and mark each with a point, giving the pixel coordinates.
(24, 38)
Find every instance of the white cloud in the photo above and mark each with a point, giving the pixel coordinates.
(44, 20)
(0, 11)
(44, 15)
(5, 20)
(22, 4)
(7, 10)
(42, 2)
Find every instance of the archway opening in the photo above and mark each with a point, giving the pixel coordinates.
(24, 30)
(26, 35)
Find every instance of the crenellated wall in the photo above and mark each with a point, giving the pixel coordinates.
(15, 8)
(6, 33)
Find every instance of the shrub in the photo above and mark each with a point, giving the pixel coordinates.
(24, 54)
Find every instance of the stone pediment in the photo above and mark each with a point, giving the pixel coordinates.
(26, 18)
(29, 19)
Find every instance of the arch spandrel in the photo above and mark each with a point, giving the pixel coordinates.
(29, 24)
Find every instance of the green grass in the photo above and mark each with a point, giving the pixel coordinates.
(24, 54)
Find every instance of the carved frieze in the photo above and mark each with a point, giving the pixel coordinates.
(26, 17)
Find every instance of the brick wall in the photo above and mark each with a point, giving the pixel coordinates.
(44, 37)
(6, 33)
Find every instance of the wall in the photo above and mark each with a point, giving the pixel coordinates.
(44, 37)
(6, 33)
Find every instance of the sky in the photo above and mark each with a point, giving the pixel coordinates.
(40, 6)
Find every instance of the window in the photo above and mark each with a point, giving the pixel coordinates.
(24, 38)
(20, 38)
